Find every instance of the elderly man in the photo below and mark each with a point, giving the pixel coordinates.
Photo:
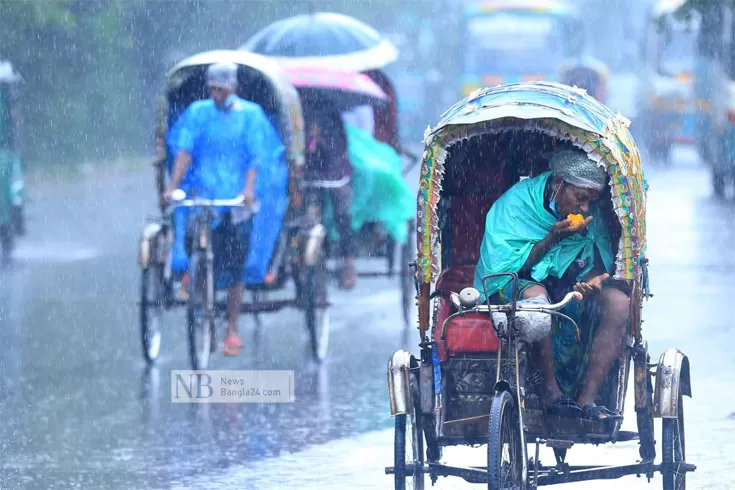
(527, 232)
(227, 135)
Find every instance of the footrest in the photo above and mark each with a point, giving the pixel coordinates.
(558, 443)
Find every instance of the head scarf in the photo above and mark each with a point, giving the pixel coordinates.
(575, 168)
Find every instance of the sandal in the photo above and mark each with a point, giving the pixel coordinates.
(599, 413)
(564, 406)
(233, 346)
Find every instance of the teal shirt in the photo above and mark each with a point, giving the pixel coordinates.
(517, 221)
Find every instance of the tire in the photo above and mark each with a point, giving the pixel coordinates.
(718, 182)
(408, 426)
(504, 429)
(644, 418)
(200, 319)
(7, 243)
(317, 317)
(674, 449)
(18, 220)
(151, 311)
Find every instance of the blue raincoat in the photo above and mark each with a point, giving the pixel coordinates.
(224, 146)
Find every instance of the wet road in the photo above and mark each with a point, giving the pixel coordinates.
(79, 409)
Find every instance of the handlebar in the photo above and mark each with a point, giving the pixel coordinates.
(204, 203)
(570, 296)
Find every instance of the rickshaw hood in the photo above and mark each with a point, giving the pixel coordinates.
(561, 111)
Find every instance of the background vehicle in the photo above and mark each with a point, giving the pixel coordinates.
(287, 239)
(666, 95)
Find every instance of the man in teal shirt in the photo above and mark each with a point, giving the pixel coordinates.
(527, 232)
(226, 139)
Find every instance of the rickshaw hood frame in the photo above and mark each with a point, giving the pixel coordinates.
(561, 111)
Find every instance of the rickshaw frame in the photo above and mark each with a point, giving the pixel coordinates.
(299, 246)
(419, 388)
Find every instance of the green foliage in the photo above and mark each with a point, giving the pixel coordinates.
(92, 68)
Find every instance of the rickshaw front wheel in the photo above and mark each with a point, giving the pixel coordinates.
(151, 309)
(316, 308)
(200, 321)
(674, 449)
(504, 452)
(408, 452)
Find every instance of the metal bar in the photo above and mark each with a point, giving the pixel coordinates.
(471, 475)
(467, 419)
(578, 474)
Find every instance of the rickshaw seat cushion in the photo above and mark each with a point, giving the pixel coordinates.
(471, 333)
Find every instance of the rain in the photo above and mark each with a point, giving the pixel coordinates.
(240, 243)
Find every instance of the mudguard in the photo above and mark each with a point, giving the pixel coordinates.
(672, 374)
(399, 383)
(144, 249)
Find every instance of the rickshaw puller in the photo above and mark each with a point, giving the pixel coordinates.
(527, 232)
(226, 135)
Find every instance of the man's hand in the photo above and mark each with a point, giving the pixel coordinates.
(593, 286)
(563, 229)
(165, 198)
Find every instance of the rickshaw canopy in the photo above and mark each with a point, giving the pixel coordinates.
(565, 113)
(288, 102)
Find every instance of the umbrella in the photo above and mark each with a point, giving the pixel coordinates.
(343, 89)
(323, 39)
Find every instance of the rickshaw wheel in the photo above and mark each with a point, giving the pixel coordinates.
(408, 426)
(504, 467)
(674, 449)
(317, 312)
(6, 243)
(200, 323)
(151, 310)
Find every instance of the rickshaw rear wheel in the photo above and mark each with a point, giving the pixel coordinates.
(718, 182)
(151, 310)
(6, 243)
(317, 311)
(674, 448)
(200, 322)
(504, 468)
(408, 426)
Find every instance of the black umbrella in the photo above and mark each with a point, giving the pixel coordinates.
(325, 39)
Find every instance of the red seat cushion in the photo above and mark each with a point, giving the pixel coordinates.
(469, 333)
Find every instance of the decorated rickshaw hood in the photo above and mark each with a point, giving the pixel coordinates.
(559, 110)
(290, 104)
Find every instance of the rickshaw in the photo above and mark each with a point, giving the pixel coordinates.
(523, 40)
(666, 101)
(335, 41)
(12, 221)
(293, 251)
(474, 381)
